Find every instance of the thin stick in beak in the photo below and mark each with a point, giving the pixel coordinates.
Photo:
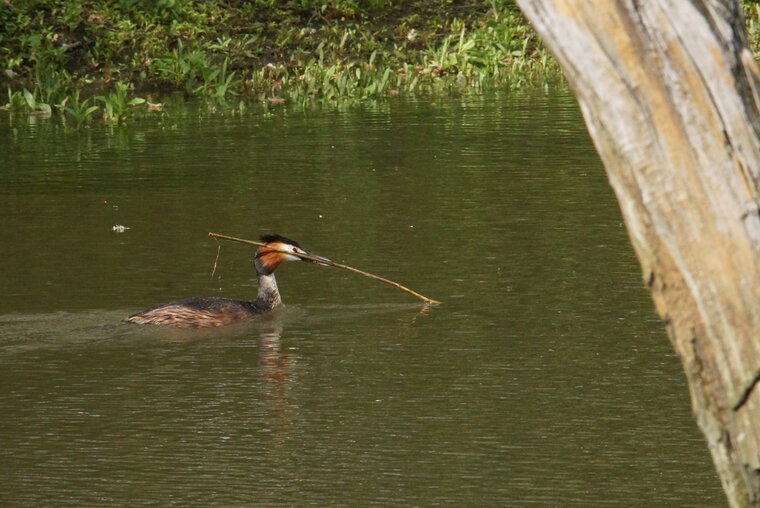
(324, 261)
(313, 258)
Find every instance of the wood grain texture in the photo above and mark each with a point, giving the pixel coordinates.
(669, 93)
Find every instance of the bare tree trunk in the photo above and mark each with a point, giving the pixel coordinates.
(670, 96)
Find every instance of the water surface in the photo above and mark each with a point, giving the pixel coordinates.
(544, 379)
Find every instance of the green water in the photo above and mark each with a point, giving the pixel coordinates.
(544, 379)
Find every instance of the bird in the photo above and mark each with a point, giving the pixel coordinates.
(216, 311)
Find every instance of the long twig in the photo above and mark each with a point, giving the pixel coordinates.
(331, 263)
(218, 251)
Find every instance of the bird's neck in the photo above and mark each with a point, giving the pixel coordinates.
(269, 295)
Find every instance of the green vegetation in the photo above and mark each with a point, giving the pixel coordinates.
(114, 52)
(108, 58)
(752, 16)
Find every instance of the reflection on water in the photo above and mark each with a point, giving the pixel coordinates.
(543, 379)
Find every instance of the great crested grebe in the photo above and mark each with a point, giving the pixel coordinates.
(214, 311)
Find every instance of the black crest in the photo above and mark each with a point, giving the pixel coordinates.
(279, 238)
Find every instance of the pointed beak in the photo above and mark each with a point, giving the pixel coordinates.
(317, 260)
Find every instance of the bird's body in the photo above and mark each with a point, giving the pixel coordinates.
(213, 311)
(198, 313)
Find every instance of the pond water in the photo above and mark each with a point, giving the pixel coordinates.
(544, 378)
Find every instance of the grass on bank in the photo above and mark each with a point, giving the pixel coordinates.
(107, 58)
(82, 60)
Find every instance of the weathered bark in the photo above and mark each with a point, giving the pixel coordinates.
(670, 96)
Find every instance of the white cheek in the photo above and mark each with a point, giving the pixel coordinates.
(290, 248)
